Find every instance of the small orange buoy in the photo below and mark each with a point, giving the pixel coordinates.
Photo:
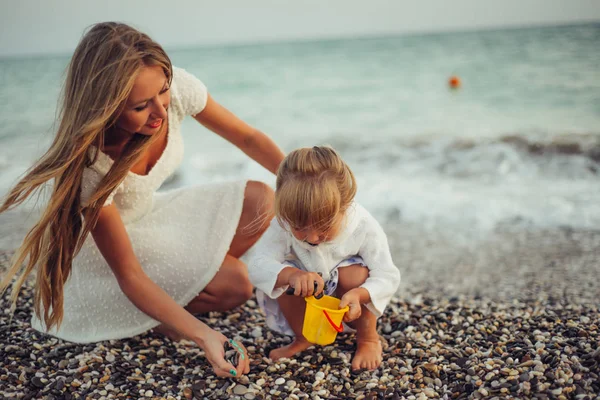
(454, 82)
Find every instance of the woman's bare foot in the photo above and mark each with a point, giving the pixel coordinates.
(368, 355)
(289, 350)
(168, 332)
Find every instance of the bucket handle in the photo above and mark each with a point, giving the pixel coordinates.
(339, 328)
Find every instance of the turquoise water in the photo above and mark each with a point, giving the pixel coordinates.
(519, 140)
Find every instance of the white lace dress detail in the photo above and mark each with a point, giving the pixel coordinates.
(180, 237)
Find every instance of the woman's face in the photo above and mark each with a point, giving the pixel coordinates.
(146, 107)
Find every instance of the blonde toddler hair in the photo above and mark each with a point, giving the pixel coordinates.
(314, 187)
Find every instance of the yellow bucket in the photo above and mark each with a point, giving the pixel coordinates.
(322, 319)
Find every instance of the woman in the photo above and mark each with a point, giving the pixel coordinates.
(152, 258)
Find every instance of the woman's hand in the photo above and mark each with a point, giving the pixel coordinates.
(304, 283)
(213, 344)
(352, 300)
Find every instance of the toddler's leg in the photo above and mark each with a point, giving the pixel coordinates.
(368, 346)
(292, 308)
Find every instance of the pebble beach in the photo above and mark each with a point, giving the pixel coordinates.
(534, 333)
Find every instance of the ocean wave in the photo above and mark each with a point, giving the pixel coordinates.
(569, 145)
(503, 156)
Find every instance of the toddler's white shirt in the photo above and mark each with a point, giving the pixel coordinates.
(361, 235)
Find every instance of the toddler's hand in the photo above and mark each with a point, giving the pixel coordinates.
(352, 300)
(304, 283)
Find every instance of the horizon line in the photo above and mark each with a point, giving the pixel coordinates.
(332, 38)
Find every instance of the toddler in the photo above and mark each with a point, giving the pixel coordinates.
(322, 241)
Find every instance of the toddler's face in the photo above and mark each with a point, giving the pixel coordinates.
(315, 237)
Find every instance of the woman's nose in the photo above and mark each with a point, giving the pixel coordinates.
(160, 109)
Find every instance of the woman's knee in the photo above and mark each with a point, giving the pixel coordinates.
(231, 285)
(240, 295)
(351, 277)
(221, 299)
(258, 210)
(238, 291)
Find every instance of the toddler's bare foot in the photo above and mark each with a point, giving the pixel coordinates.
(368, 354)
(168, 332)
(291, 349)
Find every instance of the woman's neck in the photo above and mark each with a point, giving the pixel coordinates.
(115, 141)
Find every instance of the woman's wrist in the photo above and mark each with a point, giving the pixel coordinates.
(199, 333)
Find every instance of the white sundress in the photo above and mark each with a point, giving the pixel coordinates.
(180, 237)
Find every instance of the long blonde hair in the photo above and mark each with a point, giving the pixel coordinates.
(313, 187)
(99, 79)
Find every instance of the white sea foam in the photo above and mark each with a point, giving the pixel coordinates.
(471, 190)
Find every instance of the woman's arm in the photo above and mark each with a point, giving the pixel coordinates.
(114, 244)
(251, 141)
